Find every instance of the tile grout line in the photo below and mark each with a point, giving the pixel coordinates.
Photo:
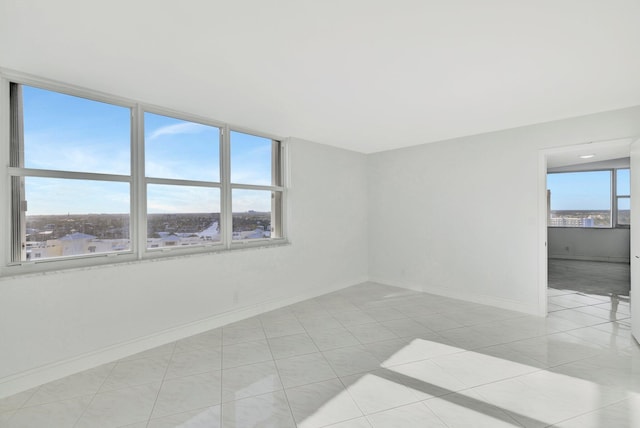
(23, 405)
(444, 423)
(284, 393)
(364, 414)
(221, 418)
(95, 394)
(334, 372)
(590, 411)
(155, 402)
(321, 352)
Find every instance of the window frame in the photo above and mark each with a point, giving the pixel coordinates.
(146, 180)
(137, 181)
(617, 197)
(613, 181)
(276, 187)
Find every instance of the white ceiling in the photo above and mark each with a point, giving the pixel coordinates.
(606, 154)
(366, 75)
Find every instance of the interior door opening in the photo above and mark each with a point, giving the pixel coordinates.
(586, 250)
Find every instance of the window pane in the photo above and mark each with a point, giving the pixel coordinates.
(180, 216)
(623, 182)
(75, 217)
(63, 132)
(580, 199)
(251, 214)
(250, 159)
(624, 210)
(180, 149)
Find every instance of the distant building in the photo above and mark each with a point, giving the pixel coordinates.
(212, 233)
(571, 222)
(257, 233)
(75, 243)
(78, 243)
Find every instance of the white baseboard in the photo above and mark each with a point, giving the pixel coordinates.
(483, 299)
(591, 258)
(22, 381)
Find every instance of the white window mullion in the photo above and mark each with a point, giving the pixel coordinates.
(71, 175)
(139, 185)
(257, 187)
(276, 197)
(179, 182)
(284, 182)
(226, 227)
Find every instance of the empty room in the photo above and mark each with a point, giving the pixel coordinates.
(319, 214)
(589, 228)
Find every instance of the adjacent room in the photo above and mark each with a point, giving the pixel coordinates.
(319, 214)
(588, 194)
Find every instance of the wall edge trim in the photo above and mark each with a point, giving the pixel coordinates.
(483, 299)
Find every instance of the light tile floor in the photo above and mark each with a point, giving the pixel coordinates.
(600, 278)
(368, 356)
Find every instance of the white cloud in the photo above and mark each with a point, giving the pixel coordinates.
(245, 200)
(77, 153)
(179, 128)
(182, 199)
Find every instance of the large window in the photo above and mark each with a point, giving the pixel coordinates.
(591, 199)
(90, 177)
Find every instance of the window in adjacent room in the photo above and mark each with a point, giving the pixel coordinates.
(589, 199)
(580, 199)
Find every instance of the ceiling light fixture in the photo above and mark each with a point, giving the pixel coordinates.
(586, 156)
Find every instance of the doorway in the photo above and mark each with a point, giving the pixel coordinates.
(584, 259)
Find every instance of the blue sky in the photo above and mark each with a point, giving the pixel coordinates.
(62, 132)
(585, 190)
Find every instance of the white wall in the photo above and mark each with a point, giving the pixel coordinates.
(605, 245)
(57, 323)
(462, 217)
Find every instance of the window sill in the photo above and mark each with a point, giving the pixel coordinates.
(590, 228)
(41, 268)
